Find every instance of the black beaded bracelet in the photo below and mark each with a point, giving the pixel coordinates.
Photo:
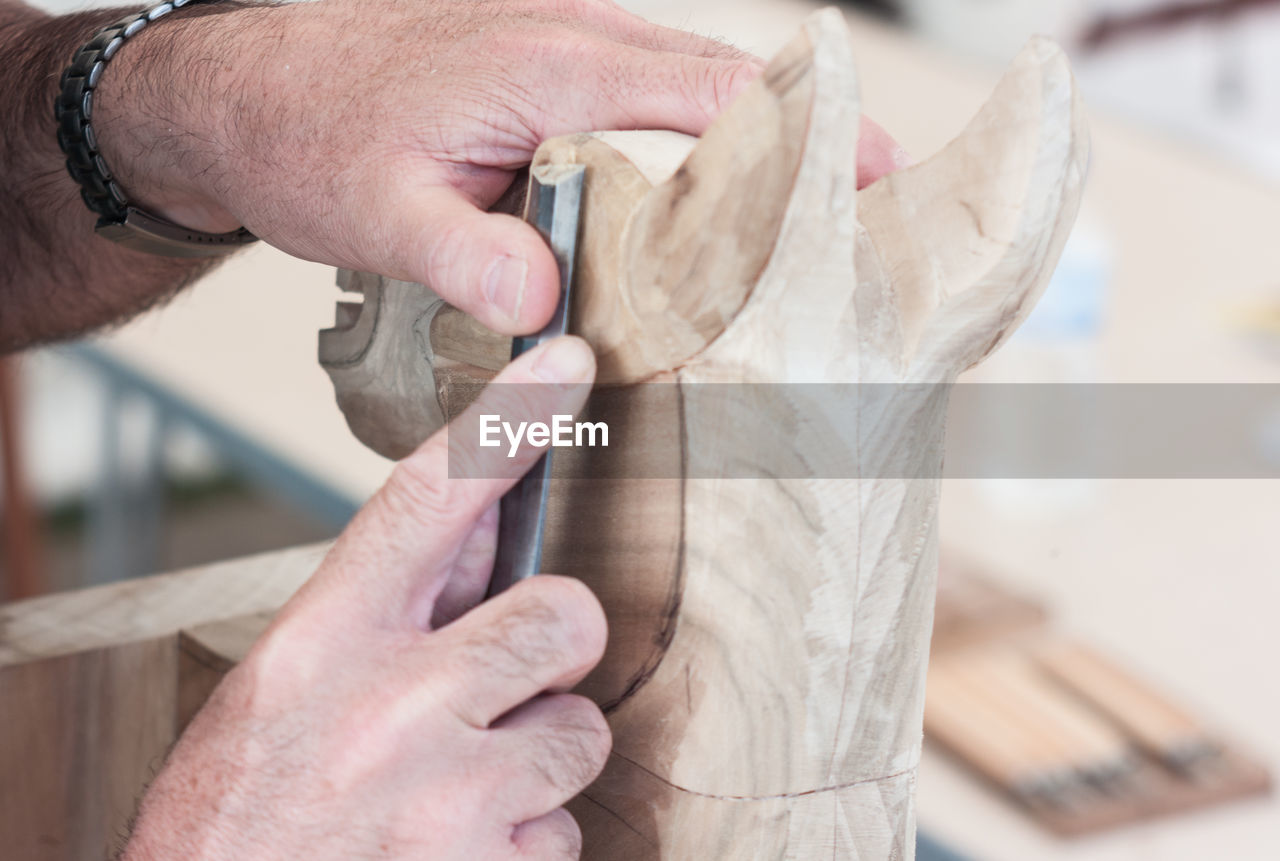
(73, 109)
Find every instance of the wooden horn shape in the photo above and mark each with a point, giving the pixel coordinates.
(991, 210)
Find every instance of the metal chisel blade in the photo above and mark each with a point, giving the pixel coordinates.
(553, 207)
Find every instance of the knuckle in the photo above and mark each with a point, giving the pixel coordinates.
(384, 713)
(419, 484)
(524, 636)
(714, 83)
(718, 50)
(447, 265)
(572, 615)
(544, 622)
(566, 9)
(583, 10)
(525, 8)
(575, 743)
(368, 741)
(743, 70)
(567, 842)
(587, 52)
(592, 732)
(278, 666)
(542, 42)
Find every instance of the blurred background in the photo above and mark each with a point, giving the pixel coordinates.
(206, 430)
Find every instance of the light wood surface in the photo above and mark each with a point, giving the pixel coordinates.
(95, 686)
(103, 616)
(1175, 578)
(1164, 730)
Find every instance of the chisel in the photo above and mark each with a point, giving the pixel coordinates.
(553, 207)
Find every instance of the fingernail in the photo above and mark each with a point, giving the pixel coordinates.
(564, 360)
(902, 158)
(504, 284)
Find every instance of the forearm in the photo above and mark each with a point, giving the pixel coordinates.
(58, 278)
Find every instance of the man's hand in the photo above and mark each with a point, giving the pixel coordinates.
(374, 134)
(380, 716)
(370, 134)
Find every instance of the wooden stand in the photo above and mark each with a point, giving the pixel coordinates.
(96, 685)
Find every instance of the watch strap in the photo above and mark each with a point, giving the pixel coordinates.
(118, 219)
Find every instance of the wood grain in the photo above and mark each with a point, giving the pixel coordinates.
(1163, 729)
(22, 564)
(765, 672)
(96, 685)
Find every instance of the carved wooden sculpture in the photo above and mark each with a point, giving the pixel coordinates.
(765, 674)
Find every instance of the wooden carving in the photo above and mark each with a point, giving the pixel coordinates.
(768, 636)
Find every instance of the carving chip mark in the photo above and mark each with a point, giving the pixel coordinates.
(636, 831)
(780, 796)
(671, 613)
(977, 220)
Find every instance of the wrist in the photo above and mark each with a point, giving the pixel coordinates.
(164, 113)
(35, 47)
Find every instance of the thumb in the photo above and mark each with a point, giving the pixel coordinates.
(395, 557)
(491, 265)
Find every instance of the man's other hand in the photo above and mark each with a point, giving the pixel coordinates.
(387, 713)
